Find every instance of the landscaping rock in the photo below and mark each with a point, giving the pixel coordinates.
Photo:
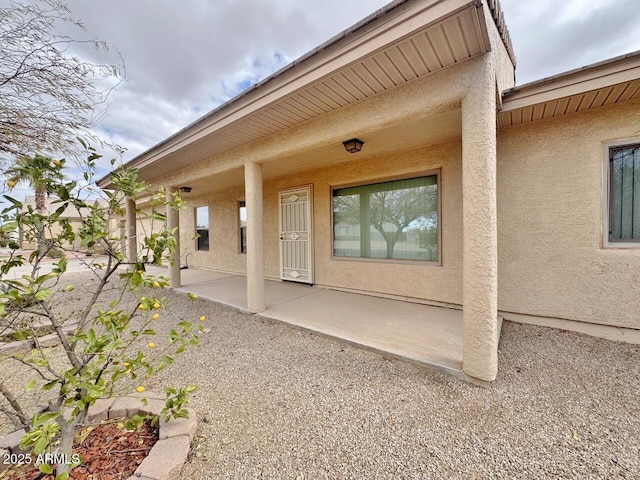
(179, 426)
(11, 441)
(125, 407)
(99, 411)
(165, 460)
(3, 452)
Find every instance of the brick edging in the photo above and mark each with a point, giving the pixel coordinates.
(165, 459)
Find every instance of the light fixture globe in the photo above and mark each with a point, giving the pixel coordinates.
(353, 146)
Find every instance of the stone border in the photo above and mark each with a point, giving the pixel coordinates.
(167, 457)
(25, 346)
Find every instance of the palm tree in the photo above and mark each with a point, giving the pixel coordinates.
(39, 173)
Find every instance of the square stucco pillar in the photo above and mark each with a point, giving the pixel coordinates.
(255, 249)
(132, 231)
(480, 251)
(173, 221)
(123, 237)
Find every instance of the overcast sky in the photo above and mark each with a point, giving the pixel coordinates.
(185, 58)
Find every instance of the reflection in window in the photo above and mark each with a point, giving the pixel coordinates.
(624, 192)
(242, 211)
(393, 220)
(202, 228)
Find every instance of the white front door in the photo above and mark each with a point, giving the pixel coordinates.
(296, 236)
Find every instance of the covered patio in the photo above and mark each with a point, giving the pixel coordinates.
(422, 334)
(418, 83)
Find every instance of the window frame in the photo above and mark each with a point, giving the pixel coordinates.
(371, 181)
(608, 199)
(241, 204)
(195, 217)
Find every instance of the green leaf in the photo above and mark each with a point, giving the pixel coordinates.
(42, 295)
(61, 266)
(45, 468)
(168, 360)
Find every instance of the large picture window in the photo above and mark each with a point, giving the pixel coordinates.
(624, 193)
(202, 228)
(390, 220)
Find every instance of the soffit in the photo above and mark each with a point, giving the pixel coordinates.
(606, 83)
(430, 129)
(422, 38)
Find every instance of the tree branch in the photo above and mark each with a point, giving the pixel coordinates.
(6, 393)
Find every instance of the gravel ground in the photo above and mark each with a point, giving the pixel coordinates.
(277, 402)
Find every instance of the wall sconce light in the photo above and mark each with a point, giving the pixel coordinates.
(353, 146)
(185, 189)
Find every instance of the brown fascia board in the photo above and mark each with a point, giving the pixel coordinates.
(591, 77)
(331, 44)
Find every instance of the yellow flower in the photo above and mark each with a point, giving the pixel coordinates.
(140, 272)
(140, 389)
(11, 183)
(125, 364)
(151, 345)
(156, 284)
(155, 316)
(142, 306)
(156, 306)
(202, 318)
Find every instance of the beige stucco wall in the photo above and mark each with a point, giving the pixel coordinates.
(224, 247)
(550, 201)
(422, 281)
(550, 207)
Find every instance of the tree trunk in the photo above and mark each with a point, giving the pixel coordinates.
(67, 433)
(391, 238)
(41, 209)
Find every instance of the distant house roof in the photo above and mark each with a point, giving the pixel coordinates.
(52, 203)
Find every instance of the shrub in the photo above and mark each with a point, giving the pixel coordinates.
(102, 349)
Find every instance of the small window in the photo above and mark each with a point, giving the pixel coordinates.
(396, 220)
(242, 222)
(202, 228)
(624, 193)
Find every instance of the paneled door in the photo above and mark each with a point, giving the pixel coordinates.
(296, 236)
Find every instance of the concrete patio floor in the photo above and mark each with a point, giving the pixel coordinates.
(418, 333)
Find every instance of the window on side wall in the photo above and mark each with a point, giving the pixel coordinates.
(393, 220)
(242, 222)
(202, 228)
(624, 194)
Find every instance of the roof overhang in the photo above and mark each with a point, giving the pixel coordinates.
(605, 83)
(403, 41)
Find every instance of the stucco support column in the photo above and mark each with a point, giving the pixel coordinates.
(123, 237)
(173, 221)
(132, 235)
(255, 249)
(480, 252)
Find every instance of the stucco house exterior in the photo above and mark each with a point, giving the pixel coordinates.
(467, 192)
(72, 215)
